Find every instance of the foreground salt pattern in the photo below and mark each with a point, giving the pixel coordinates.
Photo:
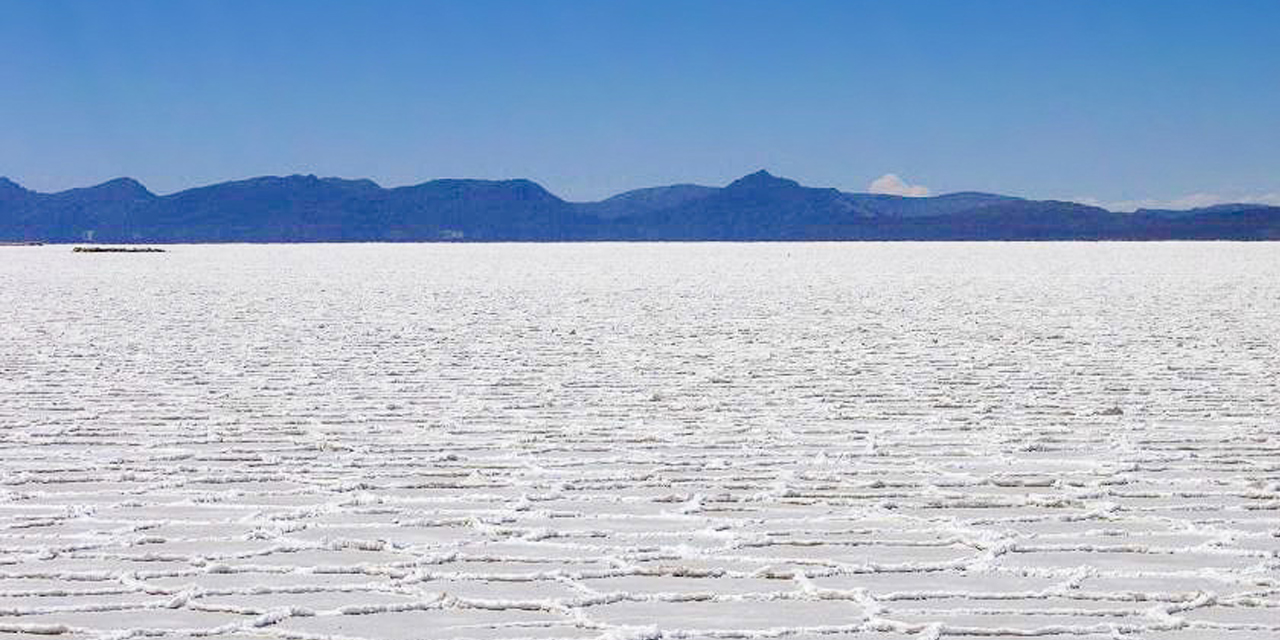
(642, 441)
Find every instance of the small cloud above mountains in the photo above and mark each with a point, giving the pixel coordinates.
(892, 184)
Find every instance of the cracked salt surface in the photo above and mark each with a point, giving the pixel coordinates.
(810, 441)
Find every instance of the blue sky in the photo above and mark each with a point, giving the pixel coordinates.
(1111, 101)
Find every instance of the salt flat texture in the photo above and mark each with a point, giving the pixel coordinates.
(839, 441)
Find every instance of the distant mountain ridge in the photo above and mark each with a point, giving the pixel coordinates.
(756, 207)
(640, 201)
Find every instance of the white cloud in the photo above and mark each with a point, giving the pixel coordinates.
(1189, 201)
(891, 184)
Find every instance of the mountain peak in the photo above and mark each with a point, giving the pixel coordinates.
(119, 189)
(125, 187)
(10, 190)
(362, 183)
(762, 180)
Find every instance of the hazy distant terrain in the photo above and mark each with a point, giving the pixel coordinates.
(755, 207)
(875, 441)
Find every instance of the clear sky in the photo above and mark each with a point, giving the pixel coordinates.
(1088, 99)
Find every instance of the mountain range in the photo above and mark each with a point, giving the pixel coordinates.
(756, 207)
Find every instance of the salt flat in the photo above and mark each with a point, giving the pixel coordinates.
(838, 441)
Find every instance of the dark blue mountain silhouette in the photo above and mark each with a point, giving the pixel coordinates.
(758, 206)
(645, 200)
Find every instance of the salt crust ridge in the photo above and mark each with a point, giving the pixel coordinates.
(232, 448)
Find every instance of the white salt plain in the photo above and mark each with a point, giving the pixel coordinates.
(837, 441)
